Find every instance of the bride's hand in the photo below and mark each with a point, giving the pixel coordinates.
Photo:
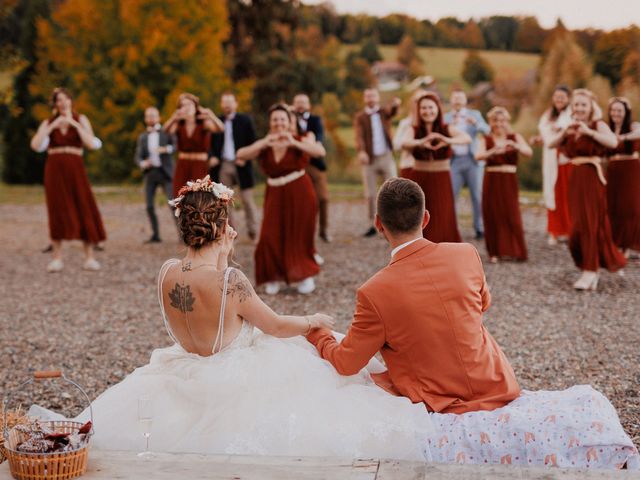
(321, 320)
(227, 240)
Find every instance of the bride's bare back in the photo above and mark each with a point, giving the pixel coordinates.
(193, 300)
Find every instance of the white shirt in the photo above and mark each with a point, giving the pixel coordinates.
(303, 121)
(229, 148)
(460, 122)
(378, 140)
(153, 142)
(405, 244)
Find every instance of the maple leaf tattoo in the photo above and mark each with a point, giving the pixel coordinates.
(238, 286)
(182, 298)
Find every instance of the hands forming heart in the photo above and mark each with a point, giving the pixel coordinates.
(281, 139)
(434, 141)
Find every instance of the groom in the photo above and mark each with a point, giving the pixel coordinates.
(423, 312)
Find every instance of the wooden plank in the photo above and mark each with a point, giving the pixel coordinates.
(127, 466)
(397, 470)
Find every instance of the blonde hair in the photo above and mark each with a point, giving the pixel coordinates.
(495, 111)
(596, 111)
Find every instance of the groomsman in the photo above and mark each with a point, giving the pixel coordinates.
(239, 132)
(465, 170)
(372, 127)
(154, 156)
(317, 169)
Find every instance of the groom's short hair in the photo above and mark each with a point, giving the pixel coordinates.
(401, 205)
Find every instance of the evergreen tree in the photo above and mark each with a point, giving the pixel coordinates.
(369, 51)
(476, 69)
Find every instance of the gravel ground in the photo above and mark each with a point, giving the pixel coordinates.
(99, 326)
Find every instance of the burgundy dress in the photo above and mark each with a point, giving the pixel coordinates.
(73, 212)
(503, 231)
(438, 192)
(623, 197)
(590, 241)
(286, 246)
(191, 169)
(559, 220)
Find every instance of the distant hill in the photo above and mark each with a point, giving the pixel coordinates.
(445, 64)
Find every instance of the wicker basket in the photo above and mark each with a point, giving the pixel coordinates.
(47, 466)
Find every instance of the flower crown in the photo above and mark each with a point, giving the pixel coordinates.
(202, 185)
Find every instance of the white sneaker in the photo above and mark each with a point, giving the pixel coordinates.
(307, 286)
(55, 266)
(318, 258)
(587, 281)
(271, 288)
(91, 265)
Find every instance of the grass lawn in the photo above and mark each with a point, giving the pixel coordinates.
(445, 64)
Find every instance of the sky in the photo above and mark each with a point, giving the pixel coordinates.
(607, 14)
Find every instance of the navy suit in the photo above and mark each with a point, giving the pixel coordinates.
(244, 134)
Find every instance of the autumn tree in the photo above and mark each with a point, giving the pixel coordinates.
(408, 55)
(23, 165)
(119, 57)
(530, 36)
(471, 35)
(611, 50)
(476, 69)
(565, 63)
(369, 51)
(499, 32)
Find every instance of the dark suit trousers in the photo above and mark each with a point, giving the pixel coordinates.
(153, 178)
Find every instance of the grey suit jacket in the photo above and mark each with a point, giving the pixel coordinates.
(142, 150)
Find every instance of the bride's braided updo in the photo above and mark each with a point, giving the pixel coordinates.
(202, 218)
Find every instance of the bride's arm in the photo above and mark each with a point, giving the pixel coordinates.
(255, 311)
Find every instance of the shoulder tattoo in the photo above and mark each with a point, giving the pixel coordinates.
(239, 287)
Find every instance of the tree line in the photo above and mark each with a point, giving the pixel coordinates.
(119, 56)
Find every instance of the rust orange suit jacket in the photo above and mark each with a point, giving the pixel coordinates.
(423, 312)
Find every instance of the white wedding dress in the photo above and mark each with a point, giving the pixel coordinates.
(260, 395)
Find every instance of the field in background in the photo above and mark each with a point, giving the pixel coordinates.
(445, 64)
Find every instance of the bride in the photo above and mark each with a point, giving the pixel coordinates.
(240, 379)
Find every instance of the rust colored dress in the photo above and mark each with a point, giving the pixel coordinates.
(286, 246)
(71, 206)
(623, 195)
(503, 231)
(187, 169)
(438, 192)
(590, 242)
(559, 220)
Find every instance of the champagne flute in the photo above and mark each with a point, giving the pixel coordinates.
(145, 421)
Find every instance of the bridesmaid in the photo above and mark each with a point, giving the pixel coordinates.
(623, 176)
(504, 234)
(430, 142)
(71, 206)
(192, 125)
(285, 251)
(406, 124)
(584, 142)
(555, 166)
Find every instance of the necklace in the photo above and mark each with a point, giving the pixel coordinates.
(187, 267)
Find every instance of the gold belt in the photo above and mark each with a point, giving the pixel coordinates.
(595, 161)
(624, 156)
(432, 165)
(198, 156)
(288, 178)
(71, 150)
(501, 169)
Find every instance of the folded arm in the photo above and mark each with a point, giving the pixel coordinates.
(365, 337)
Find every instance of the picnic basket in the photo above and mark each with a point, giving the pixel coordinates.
(46, 466)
